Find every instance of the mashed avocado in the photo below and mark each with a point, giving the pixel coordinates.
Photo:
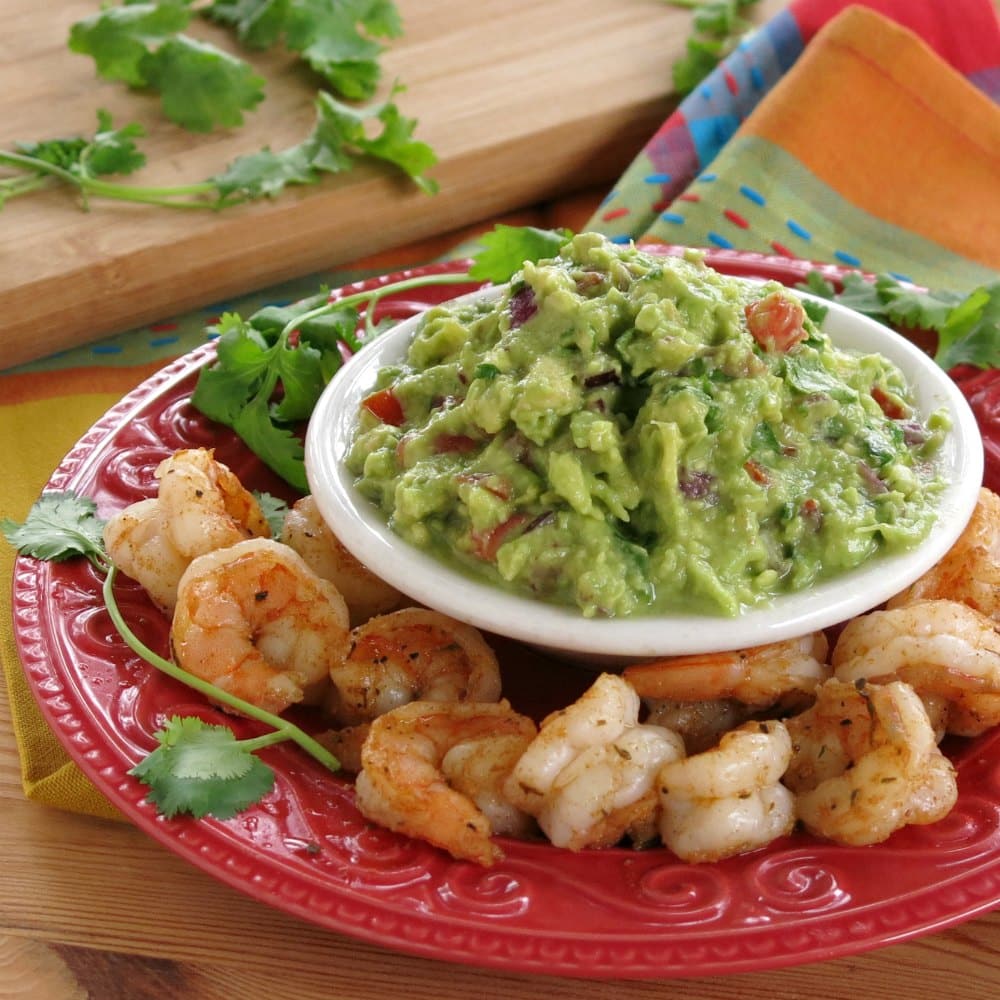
(628, 432)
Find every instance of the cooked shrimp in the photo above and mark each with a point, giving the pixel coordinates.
(970, 571)
(408, 655)
(728, 800)
(479, 768)
(257, 622)
(858, 789)
(943, 649)
(139, 544)
(365, 593)
(402, 785)
(589, 775)
(205, 505)
(758, 677)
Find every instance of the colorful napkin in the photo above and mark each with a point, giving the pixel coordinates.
(866, 137)
(863, 135)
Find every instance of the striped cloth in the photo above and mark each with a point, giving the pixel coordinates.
(867, 136)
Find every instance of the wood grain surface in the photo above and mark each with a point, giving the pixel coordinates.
(521, 100)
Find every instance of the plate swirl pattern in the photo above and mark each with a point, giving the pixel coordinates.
(306, 850)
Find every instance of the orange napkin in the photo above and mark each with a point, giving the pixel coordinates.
(872, 150)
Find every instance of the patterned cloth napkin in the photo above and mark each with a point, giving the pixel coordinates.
(865, 137)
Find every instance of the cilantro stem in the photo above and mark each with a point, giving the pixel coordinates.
(283, 729)
(166, 196)
(373, 297)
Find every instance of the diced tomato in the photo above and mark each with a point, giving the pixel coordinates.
(486, 544)
(460, 444)
(776, 322)
(384, 405)
(892, 409)
(757, 472)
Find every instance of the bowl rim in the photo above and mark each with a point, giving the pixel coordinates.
(564, 630)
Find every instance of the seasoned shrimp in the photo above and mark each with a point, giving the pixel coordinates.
(589, 775)
(257, 622)
(201, 507)
(865, 763)
(759, 677)
(205, 505)
(139, 543)
(728, 800)
(479, 768)
(945, 650)
(366, 594)
(408, 655)
(970, 571)
(402, 785)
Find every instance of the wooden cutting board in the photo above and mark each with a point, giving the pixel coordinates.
(523, 100)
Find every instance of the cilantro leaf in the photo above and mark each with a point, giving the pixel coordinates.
(112, 150)
(120, 38)
(240, 369)
(967, 325)
(506, 248)
(259, 23)
(59, 526)
(971, 332)
(278, 447)
(915, 307)
(200, 86)
(274, 510)
(337, 40)
(203, 770)
(301, 373)
(339, 137)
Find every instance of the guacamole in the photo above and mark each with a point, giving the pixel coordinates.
(628, 432)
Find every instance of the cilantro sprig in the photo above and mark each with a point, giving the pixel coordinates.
(201, 87)
(339, 139)
(337, 40)
(967, 325)
(272, 367)
(198, 768)
(141, 44)
(716, 28)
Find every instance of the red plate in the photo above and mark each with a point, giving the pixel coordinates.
(307, 851)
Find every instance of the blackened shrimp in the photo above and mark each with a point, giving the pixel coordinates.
(759, 677)
(205, 505)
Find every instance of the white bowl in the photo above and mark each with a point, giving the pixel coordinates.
(564, 630)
